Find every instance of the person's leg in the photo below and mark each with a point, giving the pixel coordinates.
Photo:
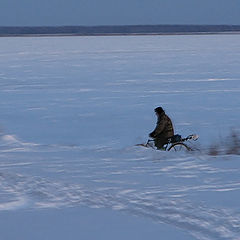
(160, 142)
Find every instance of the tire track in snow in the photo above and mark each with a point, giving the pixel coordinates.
(116, 179)
(200, 221)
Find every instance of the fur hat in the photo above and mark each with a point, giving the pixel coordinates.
(159, 110)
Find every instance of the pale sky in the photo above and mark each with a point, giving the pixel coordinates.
(121, 12)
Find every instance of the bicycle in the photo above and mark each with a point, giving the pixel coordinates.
(175, 143)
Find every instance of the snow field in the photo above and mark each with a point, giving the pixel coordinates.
(72, 109)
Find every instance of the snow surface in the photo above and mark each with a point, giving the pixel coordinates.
(72, 109)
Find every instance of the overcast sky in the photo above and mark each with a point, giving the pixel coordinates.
(117, 12)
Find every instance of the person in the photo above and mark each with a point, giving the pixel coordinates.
(164, 129)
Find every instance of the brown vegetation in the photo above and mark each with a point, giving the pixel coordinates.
(230, 146)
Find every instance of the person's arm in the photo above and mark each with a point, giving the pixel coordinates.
(159, 128)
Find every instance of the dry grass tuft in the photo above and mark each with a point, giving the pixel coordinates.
(231, 146)
(234, 144)
(214, 150)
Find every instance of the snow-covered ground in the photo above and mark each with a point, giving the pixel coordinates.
(72, 109)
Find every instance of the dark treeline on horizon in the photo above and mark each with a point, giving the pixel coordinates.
(117, 30)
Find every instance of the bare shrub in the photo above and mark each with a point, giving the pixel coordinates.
(229, 145)
(233, 147)
(214, 150)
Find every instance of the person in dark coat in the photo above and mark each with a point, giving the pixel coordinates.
(164, 129)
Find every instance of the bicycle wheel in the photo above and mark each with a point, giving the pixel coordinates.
(179, 147)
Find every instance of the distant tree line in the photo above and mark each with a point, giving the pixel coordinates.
(118, 30)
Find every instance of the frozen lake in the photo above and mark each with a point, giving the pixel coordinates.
(72, 109)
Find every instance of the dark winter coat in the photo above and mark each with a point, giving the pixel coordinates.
(163, 130)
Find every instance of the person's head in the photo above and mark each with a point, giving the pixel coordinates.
(159, 111)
